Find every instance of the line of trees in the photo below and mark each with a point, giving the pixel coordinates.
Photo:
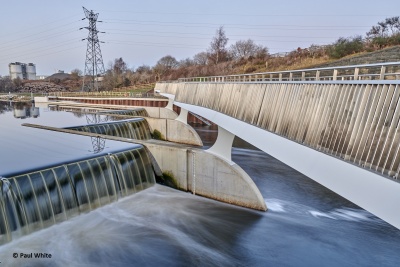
(217, 59)
(8, 85)
(243, 56)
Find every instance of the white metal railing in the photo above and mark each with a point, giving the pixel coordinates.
(104, 94)
(378, 71)
(355, 121)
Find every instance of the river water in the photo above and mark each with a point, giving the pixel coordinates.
(306, 225)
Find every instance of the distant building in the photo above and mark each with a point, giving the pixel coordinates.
(41, 77)
(22, 70)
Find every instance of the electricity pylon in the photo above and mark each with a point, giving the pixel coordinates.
(94, 66)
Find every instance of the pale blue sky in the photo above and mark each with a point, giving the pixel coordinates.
(141, 32)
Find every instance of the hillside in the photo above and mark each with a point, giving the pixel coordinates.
(391, 54)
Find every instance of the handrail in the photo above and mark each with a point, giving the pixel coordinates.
(104, 94)
(376, 71)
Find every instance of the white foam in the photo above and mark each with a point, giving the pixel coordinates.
(352, 214)
(317, 214)
(275, 205)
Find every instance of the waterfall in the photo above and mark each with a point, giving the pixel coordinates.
(137, 128)
(35, 200)
(140, 112)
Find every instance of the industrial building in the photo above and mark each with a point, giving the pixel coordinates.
(22, 70)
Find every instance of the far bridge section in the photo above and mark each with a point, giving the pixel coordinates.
(339, 126)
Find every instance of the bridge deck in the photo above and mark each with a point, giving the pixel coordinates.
(343, 134)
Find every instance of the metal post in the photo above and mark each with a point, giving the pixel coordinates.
(356, 72)
(382, 74)
(335, 71)
(194, 173)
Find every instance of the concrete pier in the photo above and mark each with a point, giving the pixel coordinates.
(195, 170)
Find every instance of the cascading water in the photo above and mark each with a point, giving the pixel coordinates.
(141, 112)
(38, 199)
(137, 128)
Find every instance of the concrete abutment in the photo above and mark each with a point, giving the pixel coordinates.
(205, 174)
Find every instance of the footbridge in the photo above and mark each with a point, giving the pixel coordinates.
(338, 126)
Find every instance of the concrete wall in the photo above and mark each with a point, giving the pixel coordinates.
(208, 175)
(175, 131)
(39, 99)
(161, 113)
(194, 170)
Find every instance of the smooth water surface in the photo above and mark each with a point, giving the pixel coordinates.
(25, 149)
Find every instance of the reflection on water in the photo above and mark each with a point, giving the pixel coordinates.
(21, 110)
(95, 118)
(98, 144)
(5, 106)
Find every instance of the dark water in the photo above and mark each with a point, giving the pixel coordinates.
(306, 225)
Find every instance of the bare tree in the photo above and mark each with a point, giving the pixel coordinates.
(383, 27)
(168, 62)
(164, 65)
(17, 82)
(119, 66)
(143, 69)
(6, 84)
(76, 73)
(115, 74)
(187, 62)
(246, 49)
(217, 51)
(201, 58)
(393, 24)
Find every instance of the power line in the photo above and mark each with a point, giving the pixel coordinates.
(33, 51)
(230, 39)
(43, 38)
(245, 15)
(236, 26)
(37, 33)
(210, 35)
(154, 44)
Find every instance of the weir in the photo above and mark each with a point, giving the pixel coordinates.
(133, 128)
(52, 177)
(140, 112)
(38, 199)
(194, 170)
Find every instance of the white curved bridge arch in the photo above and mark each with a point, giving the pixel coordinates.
(370, 190)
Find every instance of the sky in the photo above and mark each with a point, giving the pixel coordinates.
(47, 33)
